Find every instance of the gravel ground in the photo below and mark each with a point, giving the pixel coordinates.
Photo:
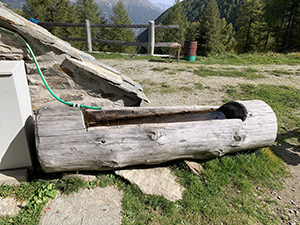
(180, 77)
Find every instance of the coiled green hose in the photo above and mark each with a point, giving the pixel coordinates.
(42, 76)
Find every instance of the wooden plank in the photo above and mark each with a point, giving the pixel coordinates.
(110, 42)
(88, 36)
(117, 146)
(55, 24)
(151, 38)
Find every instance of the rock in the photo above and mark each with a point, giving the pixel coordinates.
(279, 198)
(13, 177)
(10, 206)
(195, 167)
(155, 181)
(85, 177)
(99, 206)
(63, 64)
(291, 211)
(293, 202)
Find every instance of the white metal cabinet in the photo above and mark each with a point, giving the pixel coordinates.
(15, 116)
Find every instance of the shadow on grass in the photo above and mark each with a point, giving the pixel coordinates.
(159, 60)
(288, 147)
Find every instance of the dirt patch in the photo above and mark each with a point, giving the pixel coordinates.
(177, 84)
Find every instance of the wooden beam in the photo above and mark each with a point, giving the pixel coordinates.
(137, 26)
(65, 142)
(151, 38)
(88, 36)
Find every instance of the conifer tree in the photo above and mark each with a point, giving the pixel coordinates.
(250, 21)
(213, 33)
(51, 11)
(88, 10)
(121, 16)
(177, 16)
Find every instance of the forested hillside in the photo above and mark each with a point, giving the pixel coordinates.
(259, 25)
(237, 26)
(55, 11)
(195, 8)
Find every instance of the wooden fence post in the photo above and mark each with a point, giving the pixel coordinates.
(151, 37)
(88, 36)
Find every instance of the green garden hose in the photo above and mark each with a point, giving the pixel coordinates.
(42, 76)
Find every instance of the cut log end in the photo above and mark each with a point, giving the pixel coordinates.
(234, 110)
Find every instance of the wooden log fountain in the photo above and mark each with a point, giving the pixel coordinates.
(71, 139)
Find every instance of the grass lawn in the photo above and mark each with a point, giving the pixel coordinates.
(230, 190)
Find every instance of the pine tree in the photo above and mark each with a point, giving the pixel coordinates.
(177, 16)
(52, 11)
(213, 33)
(88, 10)
(121, 16)
(250, 22)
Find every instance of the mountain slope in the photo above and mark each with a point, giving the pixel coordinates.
(17, 4)
(163, 5)
(140, 11)
(194, 10)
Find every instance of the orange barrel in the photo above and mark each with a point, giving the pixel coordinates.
(189, 50)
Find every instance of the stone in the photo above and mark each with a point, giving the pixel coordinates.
(10, 206)
(293, 202)
(155, 181)
(195, 167)
(85, 177)
(99, 206)
(13, 177)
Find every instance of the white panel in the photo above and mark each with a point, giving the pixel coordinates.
(15, 110)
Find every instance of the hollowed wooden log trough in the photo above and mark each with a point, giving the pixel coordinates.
(71, 139)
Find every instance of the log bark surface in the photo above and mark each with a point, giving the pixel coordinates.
(64, 143)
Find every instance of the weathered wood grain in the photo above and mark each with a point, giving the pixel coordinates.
(64, 142)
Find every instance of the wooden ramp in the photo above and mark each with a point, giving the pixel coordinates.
(70, 139)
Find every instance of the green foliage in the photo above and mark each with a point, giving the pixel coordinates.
(223, 193)
(166, 88)
(5, 191)
(248, 73)
(88, 10)
(120, 16)
(41, 196)
(36, 194)
(281, 72)
(249, 21)
(52, 11)
(160, 69)
(194, 10)
(213, 33)
(283, 18)
(261, 25)
(177, 16)
(199, 86)
(68, 184)
(252, 59)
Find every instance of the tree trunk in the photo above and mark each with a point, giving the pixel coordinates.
(70, 140)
